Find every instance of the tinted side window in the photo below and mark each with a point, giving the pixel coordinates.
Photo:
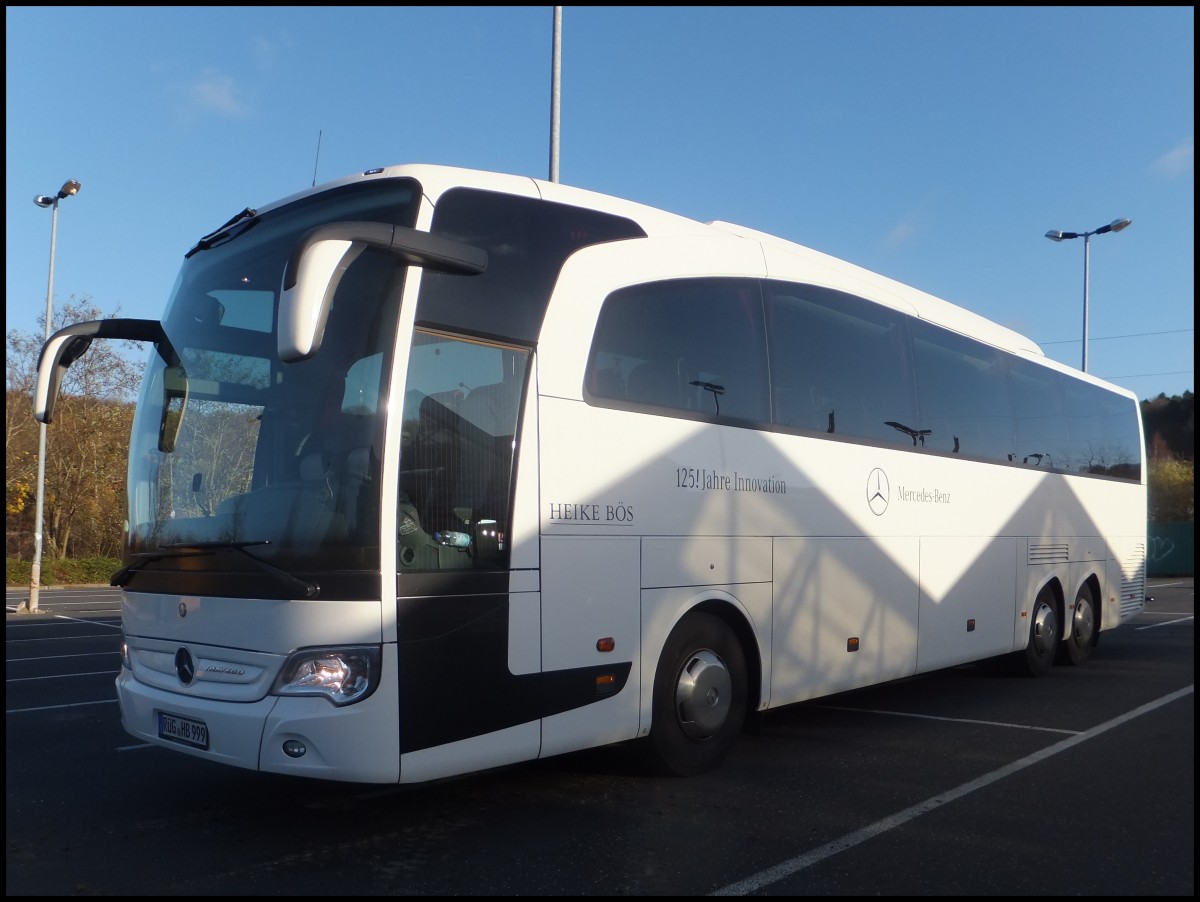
(461, 406)
(839, 364)
(1040, 439)
(1121, 417)
(1101, 431)
(684, 344)
(962, 390)
(1064, 424)
(526, 240)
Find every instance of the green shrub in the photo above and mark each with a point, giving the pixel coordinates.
(1172, 490)
(16, 571)
(64, 572)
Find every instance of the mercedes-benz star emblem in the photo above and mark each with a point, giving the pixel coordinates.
(185, 667)
(878, 491)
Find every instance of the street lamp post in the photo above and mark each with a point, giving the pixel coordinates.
(1054, 235)
(555, 91)
(69, 189)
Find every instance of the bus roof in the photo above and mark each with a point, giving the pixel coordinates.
(785, 259)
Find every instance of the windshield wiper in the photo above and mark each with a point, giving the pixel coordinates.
(225, 232)
(188, 549)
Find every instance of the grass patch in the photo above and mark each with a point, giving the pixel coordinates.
(62, 571)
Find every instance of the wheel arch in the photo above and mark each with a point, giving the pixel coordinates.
(1054, 586)
(738, 621)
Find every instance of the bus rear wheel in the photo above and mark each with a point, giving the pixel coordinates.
(1042, 646)
(1082, 634)
(699, 697)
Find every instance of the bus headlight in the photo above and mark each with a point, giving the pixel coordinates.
(342, 675)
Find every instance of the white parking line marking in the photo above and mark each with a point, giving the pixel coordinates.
(793, 866)
(986, 723)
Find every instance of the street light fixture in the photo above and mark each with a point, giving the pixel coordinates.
(1054, 235)
(69, 189)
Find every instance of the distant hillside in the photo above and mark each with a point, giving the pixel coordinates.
(1170, 425)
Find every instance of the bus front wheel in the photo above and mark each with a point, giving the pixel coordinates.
(1082, 634)
(699, 701)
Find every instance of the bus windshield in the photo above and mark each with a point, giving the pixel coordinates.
(245, 466)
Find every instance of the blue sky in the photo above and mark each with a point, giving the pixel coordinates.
(933, 145)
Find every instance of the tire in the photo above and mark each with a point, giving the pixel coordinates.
(1081, 637)
(699, 703)
(1042, 646)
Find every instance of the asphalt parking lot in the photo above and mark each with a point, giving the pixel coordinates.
(963, 782)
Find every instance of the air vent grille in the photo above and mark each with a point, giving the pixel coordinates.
(1055, 553)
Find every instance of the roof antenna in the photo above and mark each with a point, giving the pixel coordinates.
(318, 158)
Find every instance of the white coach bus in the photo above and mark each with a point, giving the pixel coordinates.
(435, 470)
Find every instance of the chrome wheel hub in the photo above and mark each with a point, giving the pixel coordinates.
(703, 695)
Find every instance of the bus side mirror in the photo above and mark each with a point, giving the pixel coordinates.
(314, 271)
(59, 352)
(70, 343)
(321, 258)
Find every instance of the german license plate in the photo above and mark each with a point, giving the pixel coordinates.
(184, 730)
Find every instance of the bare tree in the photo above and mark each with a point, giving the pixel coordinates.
(87, 444)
